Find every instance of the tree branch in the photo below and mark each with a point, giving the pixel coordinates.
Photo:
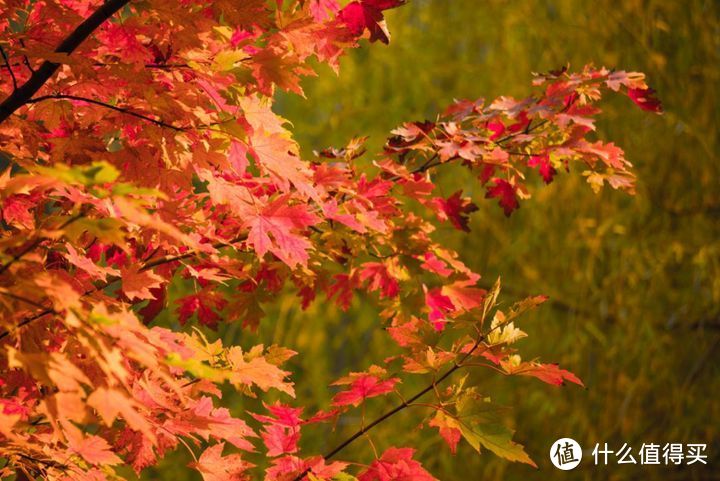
(25, 92)
(107, 106)
(406, 403)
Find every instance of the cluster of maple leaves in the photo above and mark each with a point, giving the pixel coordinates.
(149, 157)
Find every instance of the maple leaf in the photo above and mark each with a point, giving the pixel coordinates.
(93, 449)
(481, 427)
(432, 264)
(280, 440)
(252, 368)
(464, 295)
(363, 386)
(215, 467)
(202, 419)
(545, 168)
(323, 9)
(272, 67)
(504, 191)
(86, 264)
(205, 304)
(17, 210)
(111, 402)
(136, 284)
(287, 468)
(362, 15)
(155, 306)
(645, 99)
(278, 155)
(455, 209)
(497, 129)
(139, 449)
(275, 227)
(449, 429)
(548, 373)
(440, 305)
(331, 212)
(380, 279)
(343, 286)
(396, 464)
(282, 415)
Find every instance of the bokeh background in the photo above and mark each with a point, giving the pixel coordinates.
(634, 281)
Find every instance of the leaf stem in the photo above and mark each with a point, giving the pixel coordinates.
(9, 67)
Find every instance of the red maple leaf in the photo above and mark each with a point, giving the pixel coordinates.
(455, 209)
(367, 14)
(363, 386)
(505, 192)
(380, 279)
(396, 464)
(275, 229)
(280, 439)
(645, 99)
(440, 305)
(542, 162)
(448, 428)
(549, 373)
(323, 9)
(205, 304)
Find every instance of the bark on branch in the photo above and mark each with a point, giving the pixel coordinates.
(25, 92)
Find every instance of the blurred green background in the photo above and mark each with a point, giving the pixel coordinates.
(634, 281)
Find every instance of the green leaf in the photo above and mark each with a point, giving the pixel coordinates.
(99, 172)
(481, 425)
(107, 231)
(228, 59)
(197, 368)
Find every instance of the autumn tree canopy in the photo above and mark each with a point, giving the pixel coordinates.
(140, 152)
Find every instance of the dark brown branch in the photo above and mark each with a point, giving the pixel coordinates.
(26, 91)
(107, 106)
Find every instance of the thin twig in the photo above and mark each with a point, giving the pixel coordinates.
(7, 64)
(107, 106)
(457, 365)
(103, 285)
(26, 60)
(24, 299)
